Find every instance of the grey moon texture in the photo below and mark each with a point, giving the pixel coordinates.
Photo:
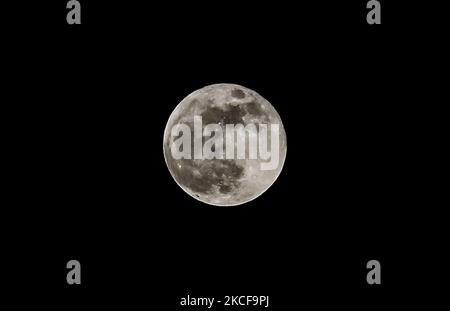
(223, 182)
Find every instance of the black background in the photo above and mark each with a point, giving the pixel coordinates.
(98, 97)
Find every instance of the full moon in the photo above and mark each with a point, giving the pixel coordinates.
(225, 181)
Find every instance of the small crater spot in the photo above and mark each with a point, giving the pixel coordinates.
(236, 93)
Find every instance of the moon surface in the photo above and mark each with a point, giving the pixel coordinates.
(223, 182)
